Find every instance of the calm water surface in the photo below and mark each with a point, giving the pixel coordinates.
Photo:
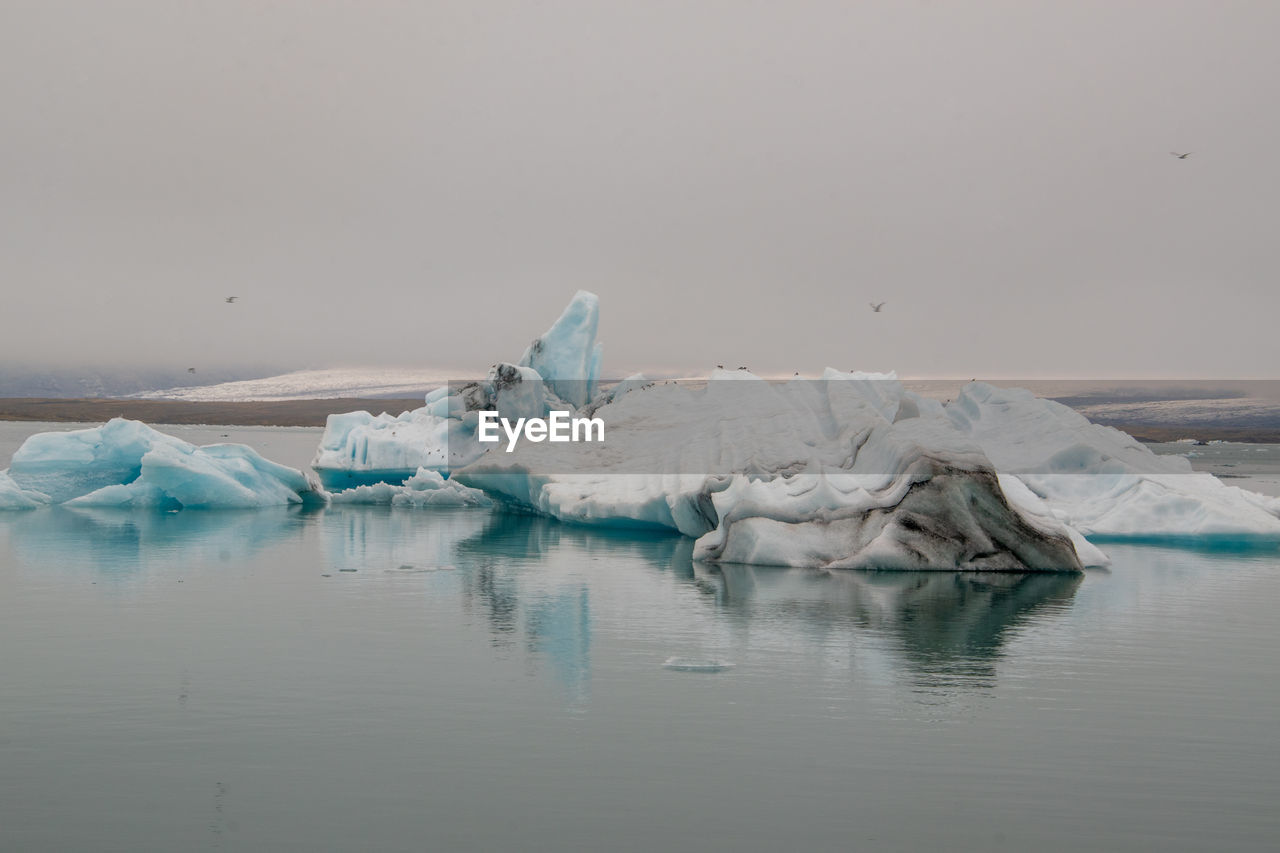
(369, 679)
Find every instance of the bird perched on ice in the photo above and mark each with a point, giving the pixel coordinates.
(876, 306)
(232, 298)
(1182, 156)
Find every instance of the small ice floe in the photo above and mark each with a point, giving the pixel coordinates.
(410, 568)
(697, 665)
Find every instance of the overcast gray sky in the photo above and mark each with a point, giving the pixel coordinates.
(427, 183)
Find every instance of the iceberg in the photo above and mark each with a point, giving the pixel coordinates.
(840, 473)
(559, 370)
(1099, 481)
(128, 464)
(361, 449)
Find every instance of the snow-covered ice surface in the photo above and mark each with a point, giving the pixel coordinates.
(128, 464)
(1100, 481)
(313, 385)
(359, 448)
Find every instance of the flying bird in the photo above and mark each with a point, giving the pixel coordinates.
(232, 298)
(876, 306)
(191, 370)
(1182, 156)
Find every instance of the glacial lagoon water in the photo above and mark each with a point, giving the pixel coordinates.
(376, 679)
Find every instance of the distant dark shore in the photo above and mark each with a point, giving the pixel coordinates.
(266, 413)
(314, 412)
(1155, 433)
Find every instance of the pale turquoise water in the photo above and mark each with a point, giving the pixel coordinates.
(217, 681)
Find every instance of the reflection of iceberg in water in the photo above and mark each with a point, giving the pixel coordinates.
(948, 627)
(559, 626)
(489, 552)
(550, 608)
(527, 539)
(136, 542)
(380, 537)
(529, 575)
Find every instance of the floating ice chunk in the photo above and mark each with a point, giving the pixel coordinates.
(127, 463)
(697, 664)
(13, 496)
(359, 448)
(426, 488)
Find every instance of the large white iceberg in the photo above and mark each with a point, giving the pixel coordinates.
(808, 473)
(128, 464)
(559, 370)
(854, 471)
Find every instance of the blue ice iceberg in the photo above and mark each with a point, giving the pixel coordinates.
(567, 356)
(128, 464)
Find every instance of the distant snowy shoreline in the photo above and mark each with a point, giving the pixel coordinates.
(305, 398)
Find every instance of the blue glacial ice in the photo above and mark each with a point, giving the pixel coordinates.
(427, 488)
(567, 355)
(559, 370)
(13, 496)
(128, 464)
